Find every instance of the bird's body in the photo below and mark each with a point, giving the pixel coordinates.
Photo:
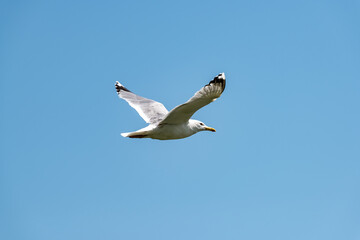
(166, 131)
(176, 124)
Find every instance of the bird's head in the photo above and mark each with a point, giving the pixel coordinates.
(200, 126)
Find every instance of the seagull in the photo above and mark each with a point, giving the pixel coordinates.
(176, 124)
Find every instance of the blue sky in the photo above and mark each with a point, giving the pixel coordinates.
(283, 164)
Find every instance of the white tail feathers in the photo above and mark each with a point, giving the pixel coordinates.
(135, 134)
(125, 134)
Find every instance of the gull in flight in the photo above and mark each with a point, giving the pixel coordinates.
(176, 124)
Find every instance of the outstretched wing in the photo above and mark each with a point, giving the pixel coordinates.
(150, 110)
(203, 97)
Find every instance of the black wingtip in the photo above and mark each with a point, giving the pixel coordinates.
(120, 87)
(221, 76)
(219, 80)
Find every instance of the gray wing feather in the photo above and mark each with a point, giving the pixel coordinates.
(150, 110)
(203, 97)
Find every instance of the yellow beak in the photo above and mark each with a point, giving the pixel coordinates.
(210, 129)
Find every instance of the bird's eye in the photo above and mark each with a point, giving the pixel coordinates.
(201, 124)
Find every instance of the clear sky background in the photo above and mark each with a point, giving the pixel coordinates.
(283, 164)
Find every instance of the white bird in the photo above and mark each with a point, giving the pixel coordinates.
(175, 124)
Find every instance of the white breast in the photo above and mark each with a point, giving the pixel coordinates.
(168, 131)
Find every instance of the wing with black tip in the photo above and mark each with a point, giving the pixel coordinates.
(203, 97)
(150, 110)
